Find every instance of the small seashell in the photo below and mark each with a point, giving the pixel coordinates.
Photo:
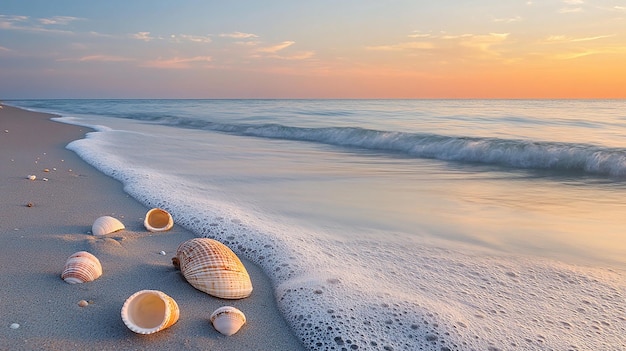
(106, 225)
(212, 267)
(162, 253)
(83, 303)
(44, 179)
(228, 320)
(46, 170)
(32, 177)
(149, 311)
(158, 220)
(30, 204)
(15, 326)
(81, 267)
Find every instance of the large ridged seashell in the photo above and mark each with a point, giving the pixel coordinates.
(228, 320)
(158, 220)
(212, 267)
(81, 267)
(149, 311)
(106, 225)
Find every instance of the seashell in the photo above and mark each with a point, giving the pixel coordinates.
(149, 311)
(81, 267)
(212, 267)
(32, 177)
(228, 320)
(106, 225)
(158, 220)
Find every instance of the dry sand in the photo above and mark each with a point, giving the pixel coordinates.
(36, 241)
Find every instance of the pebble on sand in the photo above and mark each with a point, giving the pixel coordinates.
(83, 303)
(15, 326)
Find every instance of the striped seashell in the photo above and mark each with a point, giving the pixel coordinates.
(106, 225)
(158, 220)
(149, 311)
(81, 267)
(212, 267)
(228, 320)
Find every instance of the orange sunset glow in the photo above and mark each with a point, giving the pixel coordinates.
(354, 49)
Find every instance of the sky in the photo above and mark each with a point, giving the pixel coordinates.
(313, 49)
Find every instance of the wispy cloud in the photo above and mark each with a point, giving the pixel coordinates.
(145, 36)
(508, 20)
(8, 20)
(302, 55)
(98, 58)
(564, 38)
(27, 24)
(418, 34)
(238, 35)
(192, 38)
(177, 62)
(572, 6)
(447, 42)
(276, 48)
(413, 45)
(277, 52)
(177, 38)
(58, 20)
(571, 10)
(575, 55)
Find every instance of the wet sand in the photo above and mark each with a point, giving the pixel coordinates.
(44, 221)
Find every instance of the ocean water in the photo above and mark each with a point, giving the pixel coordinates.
(394, 224)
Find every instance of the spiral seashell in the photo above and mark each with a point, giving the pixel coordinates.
(106, 225)
(81, 267)
(158, 220)
(149, 311)
(228, 320)
(212, 267)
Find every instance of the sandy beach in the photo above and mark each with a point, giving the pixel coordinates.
(37, 239)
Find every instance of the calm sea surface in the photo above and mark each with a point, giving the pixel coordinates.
(395, 224)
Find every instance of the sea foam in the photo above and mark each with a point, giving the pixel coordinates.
(360, 294)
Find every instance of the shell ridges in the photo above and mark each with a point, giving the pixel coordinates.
(212, 267)
(81, 267)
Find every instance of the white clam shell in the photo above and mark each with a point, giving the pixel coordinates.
(228, 320)
(106, 225)
(81, 267)
(158, 220)
(212, 267)
(149, 311)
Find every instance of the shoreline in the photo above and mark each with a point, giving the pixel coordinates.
(36, 241)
